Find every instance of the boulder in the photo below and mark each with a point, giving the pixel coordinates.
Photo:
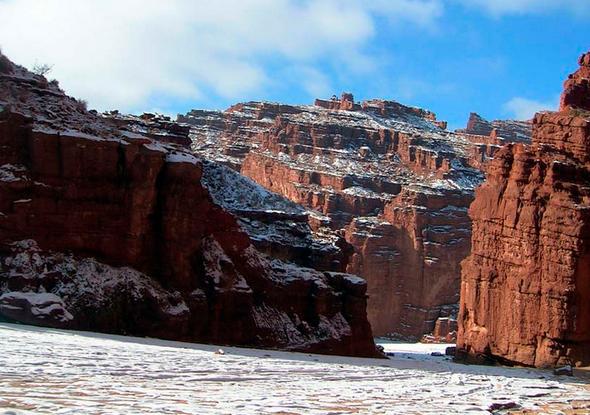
(35, 308)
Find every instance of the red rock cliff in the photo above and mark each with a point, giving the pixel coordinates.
(413, 254)
(526, 285)
(383, 174)
(577, 87)
(74, 182)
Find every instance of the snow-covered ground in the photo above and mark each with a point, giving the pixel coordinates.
(52, 371)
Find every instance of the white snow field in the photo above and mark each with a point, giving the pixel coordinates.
(59, 372)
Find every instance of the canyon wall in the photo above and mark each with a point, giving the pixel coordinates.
(386, 176)
(411, 255)
(106, 227)
(525, 287)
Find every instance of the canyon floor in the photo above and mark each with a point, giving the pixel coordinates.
(53, 371)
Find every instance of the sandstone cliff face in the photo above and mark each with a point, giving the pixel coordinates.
(277, 226)
(383, 174)
(526, 284)
(412, 252)
(73, 181)
(576, 92)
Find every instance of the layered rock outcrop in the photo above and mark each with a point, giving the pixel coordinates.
(488, 137)
(155, 126)
(385, 175)
(525, 286)
(498, 131)
(412, 251)
(117, 230)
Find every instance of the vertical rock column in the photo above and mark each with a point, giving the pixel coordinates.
(525, 287)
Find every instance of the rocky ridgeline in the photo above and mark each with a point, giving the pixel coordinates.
(498, 131)
(107, 226)
(526, 285)
(155, 126)
(386, 176)
(488, 137)
(229, 136)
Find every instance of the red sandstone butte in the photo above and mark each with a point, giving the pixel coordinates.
(104, 227)
(526, 285)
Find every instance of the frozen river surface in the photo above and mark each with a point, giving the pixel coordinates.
(52, 371)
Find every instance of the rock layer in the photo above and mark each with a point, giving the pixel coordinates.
(385, 175)
(526, 284)
(73, 181)
(488, 137)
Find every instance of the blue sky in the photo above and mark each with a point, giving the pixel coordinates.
(501, 58)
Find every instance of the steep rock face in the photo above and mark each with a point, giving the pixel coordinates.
(576, 92)
(75, 182)
(526, 284)
(412, 252)
(353, 164)
(439, 230)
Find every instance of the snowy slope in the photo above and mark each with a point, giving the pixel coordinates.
(52, 371)
(277, 226)
(235, 192)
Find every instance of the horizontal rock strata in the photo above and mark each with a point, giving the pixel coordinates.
(387, 176)
(116, 229)
(525, 286)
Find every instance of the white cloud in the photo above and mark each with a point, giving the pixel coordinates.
(524, 109)
(314, 82)
(503, 7)
(119, 53)
(421, 12)
(408, 89)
